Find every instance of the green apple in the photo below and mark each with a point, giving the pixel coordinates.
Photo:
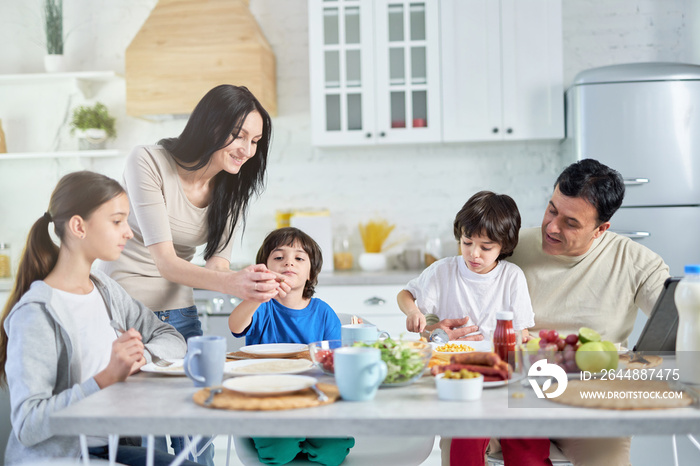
(533, 345)
(611, 349)
(592, 357)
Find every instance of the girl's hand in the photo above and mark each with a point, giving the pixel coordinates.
(257, 283)
(415, 322)
(126, 358)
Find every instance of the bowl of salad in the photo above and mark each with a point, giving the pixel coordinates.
(406, 360)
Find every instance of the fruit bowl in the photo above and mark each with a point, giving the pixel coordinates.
(322, 354)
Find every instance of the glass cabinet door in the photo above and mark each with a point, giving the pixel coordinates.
(408, 89)
(344, 61)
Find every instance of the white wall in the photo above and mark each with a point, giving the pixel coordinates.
(413, 186)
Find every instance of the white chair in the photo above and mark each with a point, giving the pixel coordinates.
(555, 456)
(368, 451)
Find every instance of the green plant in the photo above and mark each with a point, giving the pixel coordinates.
(53, 18)
(96, 116)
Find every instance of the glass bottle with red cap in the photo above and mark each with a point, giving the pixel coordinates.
(504, 336)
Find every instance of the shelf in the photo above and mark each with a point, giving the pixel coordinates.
(59, 155)
(85, 80)
(80, 75)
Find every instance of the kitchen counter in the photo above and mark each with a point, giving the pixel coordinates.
(358, 277)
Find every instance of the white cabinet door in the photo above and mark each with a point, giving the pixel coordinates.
(341, 72)
(375, 303)
(374, 72)
(407, 58)
(532, 59)
(502, 70)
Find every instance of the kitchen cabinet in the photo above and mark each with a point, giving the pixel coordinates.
(374, 71)
(375, 303)
(87, 83)
(502, 73)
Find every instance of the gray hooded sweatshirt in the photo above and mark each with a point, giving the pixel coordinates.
(43, 373)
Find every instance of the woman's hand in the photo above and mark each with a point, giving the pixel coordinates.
(455, 331)
(126, 358)
(415, 322)
(257, 283)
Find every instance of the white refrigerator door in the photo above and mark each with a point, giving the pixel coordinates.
(671, 232)
(648, 131)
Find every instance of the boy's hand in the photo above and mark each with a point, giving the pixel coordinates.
(415, 322)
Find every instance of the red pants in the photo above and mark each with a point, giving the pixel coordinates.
(516, 451)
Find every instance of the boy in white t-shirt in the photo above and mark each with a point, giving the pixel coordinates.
(479, 283)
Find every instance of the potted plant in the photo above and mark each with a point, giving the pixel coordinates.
(53, 27)
(94, 125)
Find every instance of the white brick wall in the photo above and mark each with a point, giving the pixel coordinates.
(413, 186)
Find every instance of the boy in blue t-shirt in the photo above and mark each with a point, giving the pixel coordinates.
(296, 318)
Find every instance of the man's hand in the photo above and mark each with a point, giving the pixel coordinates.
(455, 331)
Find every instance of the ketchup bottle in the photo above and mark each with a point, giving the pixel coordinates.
(504, 335)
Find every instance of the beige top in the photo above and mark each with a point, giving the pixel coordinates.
(600, 289)
(160, 211)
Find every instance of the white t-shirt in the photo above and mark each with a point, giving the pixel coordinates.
(85, 318)
(451, 291)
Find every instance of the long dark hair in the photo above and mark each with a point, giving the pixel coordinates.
(287, 236)
(78, 193)
(219, 114)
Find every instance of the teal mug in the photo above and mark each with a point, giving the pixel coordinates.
(205, 359)
(358, 372)
(350, 333)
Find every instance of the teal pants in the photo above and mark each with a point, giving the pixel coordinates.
(326, 451)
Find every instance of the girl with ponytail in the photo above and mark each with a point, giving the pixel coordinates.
(56, 343)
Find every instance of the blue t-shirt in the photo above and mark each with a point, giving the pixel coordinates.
(274, 323)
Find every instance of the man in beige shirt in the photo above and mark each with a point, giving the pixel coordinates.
(581, 275)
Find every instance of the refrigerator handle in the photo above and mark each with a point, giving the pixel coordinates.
(633, 234)
(635, 181)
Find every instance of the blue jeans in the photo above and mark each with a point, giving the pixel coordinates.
(186, 322)
(135, 456)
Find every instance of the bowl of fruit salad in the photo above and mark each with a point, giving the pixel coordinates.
(322, 354)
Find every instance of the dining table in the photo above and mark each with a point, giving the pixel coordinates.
(154, 404)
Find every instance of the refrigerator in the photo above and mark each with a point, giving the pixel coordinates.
(643, 120)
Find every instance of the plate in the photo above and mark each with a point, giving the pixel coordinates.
(483, 345)
(177, 368)
(268, 366)
(272, 350)
(264, 385)
(501, 383)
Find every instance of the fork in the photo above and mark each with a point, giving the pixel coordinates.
(160, 362)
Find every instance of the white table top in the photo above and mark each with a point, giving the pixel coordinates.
(152, 404)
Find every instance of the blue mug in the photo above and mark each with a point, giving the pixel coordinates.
(358, 372)
(350, 333)
(205, 359)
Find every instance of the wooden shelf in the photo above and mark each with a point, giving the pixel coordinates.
(59, 155)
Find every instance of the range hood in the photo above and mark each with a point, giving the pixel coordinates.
(187, 47)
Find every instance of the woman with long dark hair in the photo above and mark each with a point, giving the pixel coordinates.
(194, 190)
(57, 345)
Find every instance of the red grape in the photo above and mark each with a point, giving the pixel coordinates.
(552, 335)
(544, 334)
(560, 344)
(572, 339)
